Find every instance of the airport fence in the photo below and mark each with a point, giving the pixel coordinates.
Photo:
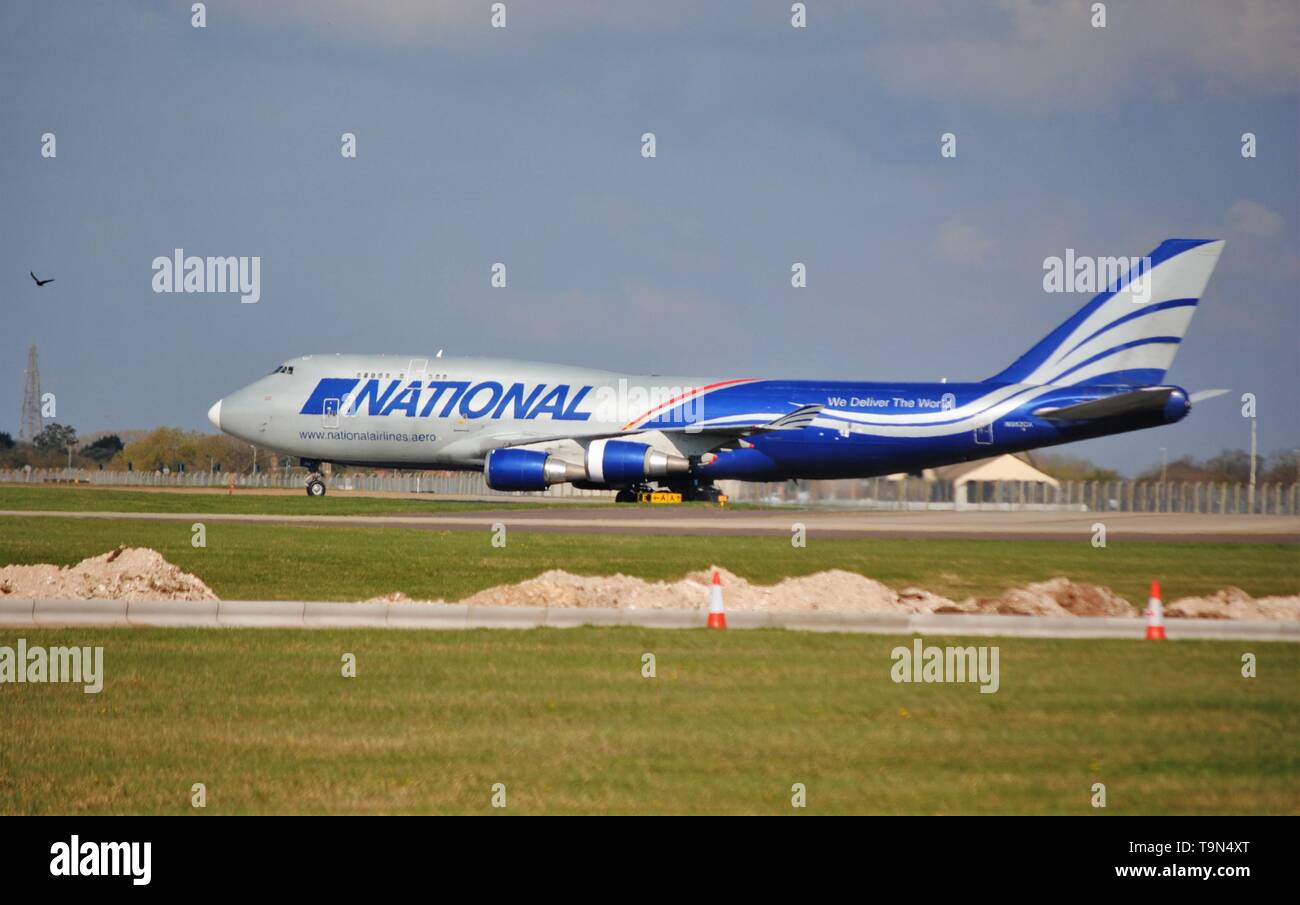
(1222, 497)
(450, 483)
(1269, 498)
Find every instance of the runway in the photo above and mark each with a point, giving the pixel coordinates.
(1032, 525)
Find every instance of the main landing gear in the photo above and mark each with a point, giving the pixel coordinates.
(632, 494)
(697, 492)
(692, 492)
(315, 481)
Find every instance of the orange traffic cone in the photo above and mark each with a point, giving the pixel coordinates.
(1155, 614)
(717, 615)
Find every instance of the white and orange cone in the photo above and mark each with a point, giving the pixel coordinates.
(1155, 614)
(717, 614)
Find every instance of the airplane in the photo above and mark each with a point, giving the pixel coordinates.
(528, 426)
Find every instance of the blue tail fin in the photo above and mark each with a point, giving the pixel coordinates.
(1127, 335)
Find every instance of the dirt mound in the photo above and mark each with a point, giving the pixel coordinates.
(136, 573)
(127, 573)
(1057, 597)
(831, 591)
(837, 591)
(1234, 603)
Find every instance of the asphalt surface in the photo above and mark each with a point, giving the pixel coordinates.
(1033, 525)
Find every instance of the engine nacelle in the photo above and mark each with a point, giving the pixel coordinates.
(526, 469)
(616, 462)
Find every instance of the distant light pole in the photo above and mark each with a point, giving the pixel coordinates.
(1254, 446)
(1164, 468)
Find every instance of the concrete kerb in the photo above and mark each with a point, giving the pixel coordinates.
(261, 613)
(874, 623)
(572, 617)
(427, 615)
(345, 615)
(17, 612)
(505, 616)
(177, 613)
(28, 613)
(664, 618)
(80, 613)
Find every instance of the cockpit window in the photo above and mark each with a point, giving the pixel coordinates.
(283, 369)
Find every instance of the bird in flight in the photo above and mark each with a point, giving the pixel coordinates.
(41, 282)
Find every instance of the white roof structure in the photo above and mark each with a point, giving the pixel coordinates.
(1006, 467)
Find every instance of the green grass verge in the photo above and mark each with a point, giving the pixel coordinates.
(295, 562)
(566, 721)
(81, 499)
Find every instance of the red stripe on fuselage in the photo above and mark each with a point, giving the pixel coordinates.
(684, 396)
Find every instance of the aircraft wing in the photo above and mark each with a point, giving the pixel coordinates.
(800, 417)
(1146, 399)
(702, 438)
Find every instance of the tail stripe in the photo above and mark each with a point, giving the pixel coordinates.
(1144, 341)
(1146, 310)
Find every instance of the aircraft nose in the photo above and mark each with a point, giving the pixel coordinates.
(214, 414)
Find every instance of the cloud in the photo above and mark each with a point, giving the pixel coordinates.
(1042, 53)
(444, 21)
(961, 242)
(1008, 54)
(1251, 218)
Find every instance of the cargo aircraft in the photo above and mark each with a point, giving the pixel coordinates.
(527, 425)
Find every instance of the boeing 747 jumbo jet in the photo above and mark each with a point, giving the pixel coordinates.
(528, 425)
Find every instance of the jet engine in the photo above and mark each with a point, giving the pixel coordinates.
(527, 469)
(619, 462)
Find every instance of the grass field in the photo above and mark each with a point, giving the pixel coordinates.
(83, 499)
(296, 562)
(566, 721)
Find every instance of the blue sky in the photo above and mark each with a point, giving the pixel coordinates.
(522, 145)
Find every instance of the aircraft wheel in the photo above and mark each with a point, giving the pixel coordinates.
(315, 487)
(625, 496)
